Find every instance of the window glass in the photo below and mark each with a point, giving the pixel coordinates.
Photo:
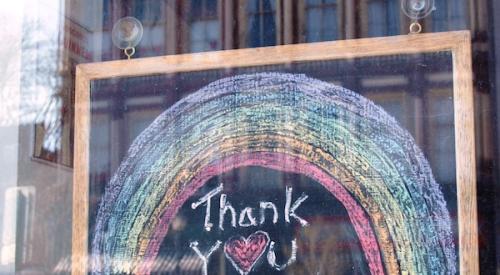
(449, 15)
(205, 26)
(391, 88)
(377, 14)
(313, 25)
(261, 23)
(383, 17)
(322, 21)
(440, 17)
(45, 40)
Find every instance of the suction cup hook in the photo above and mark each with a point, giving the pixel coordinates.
(416, 10)
(415, 28)
(126, 34)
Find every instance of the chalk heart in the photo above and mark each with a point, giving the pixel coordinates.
(245, 252)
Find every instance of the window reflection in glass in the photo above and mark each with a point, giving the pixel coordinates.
(383, 17)
(449, 15)
(322, 20)
(204, 26)
(261, 23)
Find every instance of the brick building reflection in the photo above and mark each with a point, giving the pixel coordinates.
(175, 27)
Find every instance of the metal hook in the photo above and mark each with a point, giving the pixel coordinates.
(129, 52)
(415, 28)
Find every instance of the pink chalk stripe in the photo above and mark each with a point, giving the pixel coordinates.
(281, 162)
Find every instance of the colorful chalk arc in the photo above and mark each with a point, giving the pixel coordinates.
(290, 123)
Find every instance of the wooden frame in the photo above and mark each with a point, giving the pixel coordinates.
(458, 43)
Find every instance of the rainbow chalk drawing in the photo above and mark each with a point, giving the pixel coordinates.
(290, 123)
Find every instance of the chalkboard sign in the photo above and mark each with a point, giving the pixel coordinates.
(348, 157)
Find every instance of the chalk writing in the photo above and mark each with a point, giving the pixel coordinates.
(204, 258)
(244, 253)
(206, 198)
(290, 212)
(271, 256)
(246, 217)
(263, 207)
(248, 213)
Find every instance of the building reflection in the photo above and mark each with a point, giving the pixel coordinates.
(175, 27)
(18, 228)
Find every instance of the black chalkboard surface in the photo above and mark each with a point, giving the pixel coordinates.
(335, 166)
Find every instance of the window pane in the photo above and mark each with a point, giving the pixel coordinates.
(213, 41)
(313, 25)
(330, 28)
(458, 15)
(313, 2)
(253, 31)
(253, 6)
(268, 5)
(393, 17)
(197, 31)
(196, 9)
(377, 18)
(205, 36)
(139, 11)
(212, 29)
(156, 10)
(261, 27)
(106, 14)
(211, 10)
(440, 16)
(269, 30)
(442, 142)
